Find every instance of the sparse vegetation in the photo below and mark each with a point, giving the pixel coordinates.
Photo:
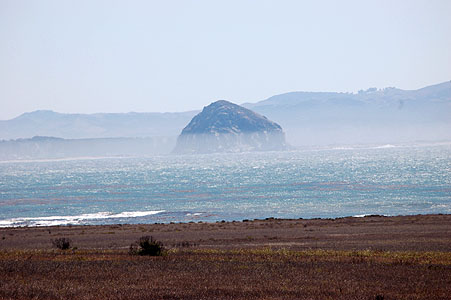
(62, 243)
(363, 258)
(225, 274)
(147, 245)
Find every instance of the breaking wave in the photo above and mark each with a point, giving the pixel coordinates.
(74, 220)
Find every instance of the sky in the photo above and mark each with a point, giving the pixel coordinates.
(166, 56)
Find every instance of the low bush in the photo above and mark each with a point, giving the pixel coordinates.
(147, 245)
(62, 243)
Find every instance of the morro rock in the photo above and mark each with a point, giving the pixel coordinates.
(226, 127)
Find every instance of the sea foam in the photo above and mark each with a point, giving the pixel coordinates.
(74, 220)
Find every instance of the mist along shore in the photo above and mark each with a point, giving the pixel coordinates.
(373, 257)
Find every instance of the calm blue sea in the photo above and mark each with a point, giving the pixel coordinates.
(383, 180)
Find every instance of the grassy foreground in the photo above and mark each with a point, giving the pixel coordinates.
(265, 259)
(225, 274)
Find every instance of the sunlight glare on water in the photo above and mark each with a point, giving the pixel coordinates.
(321, 183)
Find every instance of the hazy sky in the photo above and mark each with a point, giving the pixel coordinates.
(121, 56)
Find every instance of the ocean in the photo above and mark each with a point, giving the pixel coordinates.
(316, 183)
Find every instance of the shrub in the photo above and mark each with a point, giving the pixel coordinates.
(62, 243)
(147, 245)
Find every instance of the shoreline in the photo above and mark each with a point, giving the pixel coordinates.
(136, 214)
(407, 232)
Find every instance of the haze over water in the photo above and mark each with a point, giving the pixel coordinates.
(384, 180)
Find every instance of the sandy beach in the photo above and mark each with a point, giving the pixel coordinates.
(402, 257)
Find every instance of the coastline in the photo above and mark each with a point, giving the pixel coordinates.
(395, 233)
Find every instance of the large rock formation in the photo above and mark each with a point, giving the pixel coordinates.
(226, 127)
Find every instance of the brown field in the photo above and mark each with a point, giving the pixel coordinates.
(374, 257)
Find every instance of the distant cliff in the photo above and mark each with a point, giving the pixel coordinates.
(226, 127)
(40, 147)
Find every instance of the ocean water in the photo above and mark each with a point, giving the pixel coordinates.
(325, 183)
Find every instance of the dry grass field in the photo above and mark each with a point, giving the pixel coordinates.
(349, 258)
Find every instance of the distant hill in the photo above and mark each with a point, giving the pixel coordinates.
(371, 116)
(101, 125)
(387, 115)
(226, 127)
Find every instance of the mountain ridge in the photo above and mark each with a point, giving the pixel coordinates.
(442, 90)
(308, 118)
(97, 125)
